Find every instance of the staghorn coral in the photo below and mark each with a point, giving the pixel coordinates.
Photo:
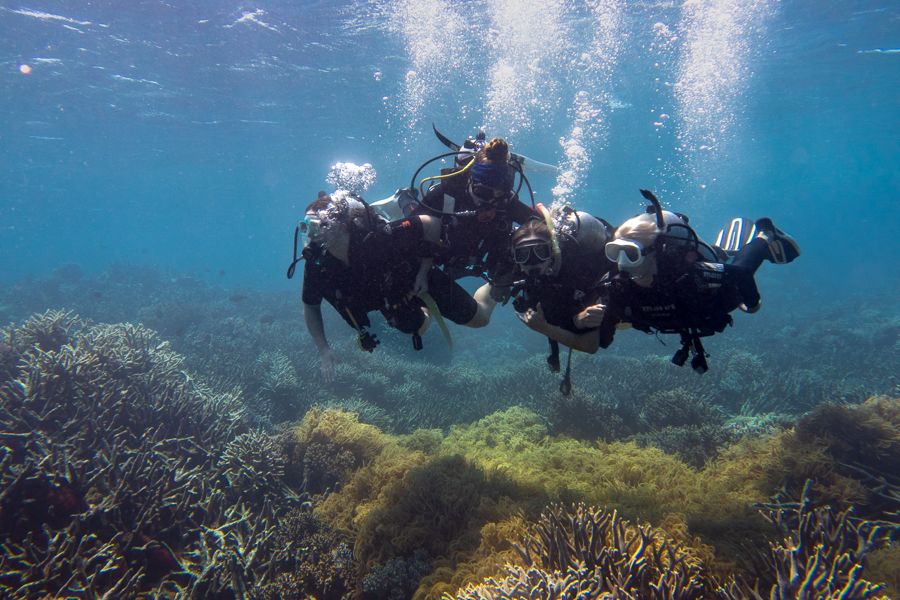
(581, 552)
(310, 559)
(279, 395)
(109, 471)
(536, 583)
(824, 553)
(46, 332)
(254, 464)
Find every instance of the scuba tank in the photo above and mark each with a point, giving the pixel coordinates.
(399, 205)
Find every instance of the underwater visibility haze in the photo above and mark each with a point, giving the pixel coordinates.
(165, 430)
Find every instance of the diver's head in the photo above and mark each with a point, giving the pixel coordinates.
(637, 242)
(331, 217)
(491, 179)
(633, 246)
(532, 248)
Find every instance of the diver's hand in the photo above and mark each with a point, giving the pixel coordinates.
(328, 360)
(533, 318)
(592, 316)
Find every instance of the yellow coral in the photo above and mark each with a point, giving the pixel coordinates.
(465, 496)
(343, 429)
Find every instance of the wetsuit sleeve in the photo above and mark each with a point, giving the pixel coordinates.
(608, 328)
(520, 212)
(312, 284)
(612, 316)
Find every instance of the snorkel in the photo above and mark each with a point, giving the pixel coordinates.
(654, 207)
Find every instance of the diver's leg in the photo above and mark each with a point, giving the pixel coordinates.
(770, 244)
(456, 304)
(485, 303)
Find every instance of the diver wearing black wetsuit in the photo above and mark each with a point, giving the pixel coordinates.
(692, 287)
(565, 284)
(381, 265)
(478, 208)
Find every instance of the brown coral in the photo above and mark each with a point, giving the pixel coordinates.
(582, 552)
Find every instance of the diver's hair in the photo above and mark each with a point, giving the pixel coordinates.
(641, 229)
(496, 150)
(531, 229)
(322, 202)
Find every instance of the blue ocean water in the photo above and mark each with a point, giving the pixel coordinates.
(157, 156)
(191, 135)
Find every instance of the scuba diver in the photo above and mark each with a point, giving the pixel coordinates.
(359, 262)
(559, 261)
(477, 206)
(670, 281)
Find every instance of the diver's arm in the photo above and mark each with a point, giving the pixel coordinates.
(590, 317)
(583, 342)
(312, 314)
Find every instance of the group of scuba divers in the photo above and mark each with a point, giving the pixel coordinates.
(570, 276)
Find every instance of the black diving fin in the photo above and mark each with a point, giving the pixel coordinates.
(445, 140)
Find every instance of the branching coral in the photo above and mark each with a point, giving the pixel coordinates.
(824, 553)
(254, 464)
(310, 559)
(109, 470)
(588, 553)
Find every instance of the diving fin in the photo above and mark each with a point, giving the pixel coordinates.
(525, 162)
(534, 166)
(737, 234)
(445, 140)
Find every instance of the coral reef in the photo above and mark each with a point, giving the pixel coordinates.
(123, 473)
(824, 553)
(851, 452)
(310, 559)
(581, 552)
(396, 579)
(112, 470)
